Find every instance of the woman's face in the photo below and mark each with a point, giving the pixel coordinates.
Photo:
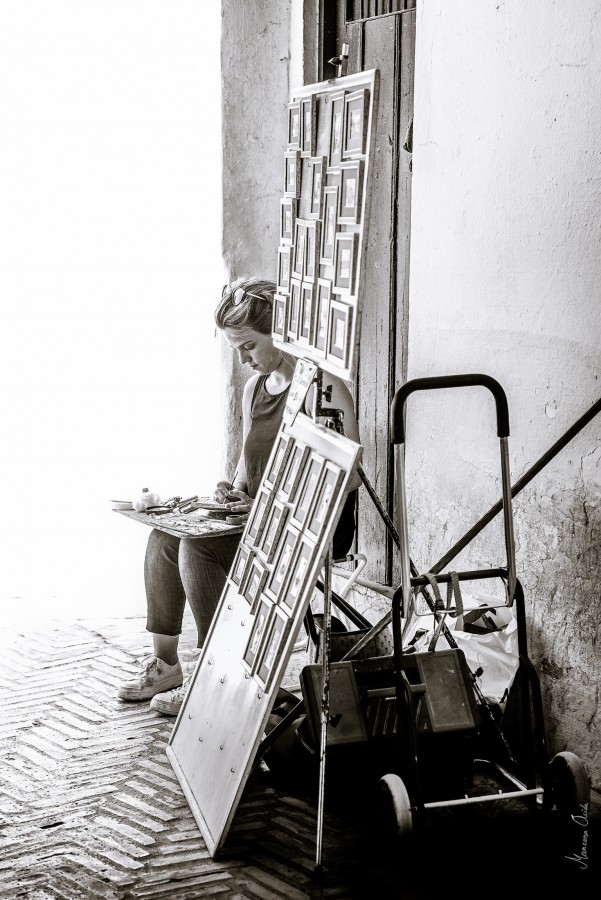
(254, 349)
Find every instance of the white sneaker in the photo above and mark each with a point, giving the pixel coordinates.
(170, 702)
(155, 676)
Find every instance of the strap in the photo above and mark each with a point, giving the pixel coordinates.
(260, 381)
(441, 610)
(438, 610)
(453, 588)
(438, 604)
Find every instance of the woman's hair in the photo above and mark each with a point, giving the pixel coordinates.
(246, 303)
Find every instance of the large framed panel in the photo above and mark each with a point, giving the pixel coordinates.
(328, 169)
(221, 723)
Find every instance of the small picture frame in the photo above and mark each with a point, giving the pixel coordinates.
(292, 173)
(333, 177)
(339, 329)
(322, 314)
(298, 259)
(329, 484)
(280, 308)
(283, 279)
(239, 564)
(294, 309)
(308, 125)
(336, 128)
(271, 648)
(306, 313)
(299, 570)
(273, 529)
(328, 231)
(243, 580)
(287, 219)
(283, 559)
(345, 262)
(355, 123)
(351, 193)
(254, 584)
(277, 461)
(294, 126)
(317, 169)
(294, 472)
(308, 489)
(256, 634)
(256, 520)
(312, 242)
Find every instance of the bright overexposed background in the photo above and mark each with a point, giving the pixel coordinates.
(110, 269)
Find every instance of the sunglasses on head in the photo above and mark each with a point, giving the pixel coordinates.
(238, 295)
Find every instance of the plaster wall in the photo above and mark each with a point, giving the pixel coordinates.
(255, 63)
(505, 280)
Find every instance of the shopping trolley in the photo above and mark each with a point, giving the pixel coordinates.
(417, 721)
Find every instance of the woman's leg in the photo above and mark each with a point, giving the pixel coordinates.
(165, 600)
(165, 595)
(165, 647)
(204, 565)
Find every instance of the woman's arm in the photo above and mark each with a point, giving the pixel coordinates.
(239, 481)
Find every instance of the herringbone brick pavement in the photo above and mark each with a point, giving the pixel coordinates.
(89, 804)
(91, 808)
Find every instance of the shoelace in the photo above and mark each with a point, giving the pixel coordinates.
(148, 663)
(181, 690)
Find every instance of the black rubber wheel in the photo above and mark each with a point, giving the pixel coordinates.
(569, 783)
(396, 805)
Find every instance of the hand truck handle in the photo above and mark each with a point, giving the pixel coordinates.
(397, 416)
(446, 381)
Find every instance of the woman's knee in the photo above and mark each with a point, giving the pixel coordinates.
(161, 546)
(194, 552)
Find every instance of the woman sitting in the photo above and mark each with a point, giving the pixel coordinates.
(179, 569)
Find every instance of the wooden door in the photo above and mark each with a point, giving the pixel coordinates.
(384, 40)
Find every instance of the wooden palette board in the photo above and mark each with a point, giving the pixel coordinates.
(221, 723)
(197, 524)
(324, 218)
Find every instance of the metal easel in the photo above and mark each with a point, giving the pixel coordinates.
(333, 419)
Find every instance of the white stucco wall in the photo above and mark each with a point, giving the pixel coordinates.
(506, 280)
(265, 53)
(255, 62)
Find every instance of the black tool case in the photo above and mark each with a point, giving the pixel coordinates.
(363, 717)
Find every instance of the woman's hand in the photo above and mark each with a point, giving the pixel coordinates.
(238, 502)
(224, 492)
(241, 504)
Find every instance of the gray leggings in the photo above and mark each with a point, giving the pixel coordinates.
(180, 569)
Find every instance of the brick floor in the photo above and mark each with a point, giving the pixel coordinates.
(90, 806)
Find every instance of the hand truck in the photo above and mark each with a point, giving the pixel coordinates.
(509, 746)
(419, 721)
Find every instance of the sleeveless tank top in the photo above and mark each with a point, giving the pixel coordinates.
(267, 411)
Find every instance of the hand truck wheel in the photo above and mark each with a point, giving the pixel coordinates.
(395, 804)
(569, 784)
